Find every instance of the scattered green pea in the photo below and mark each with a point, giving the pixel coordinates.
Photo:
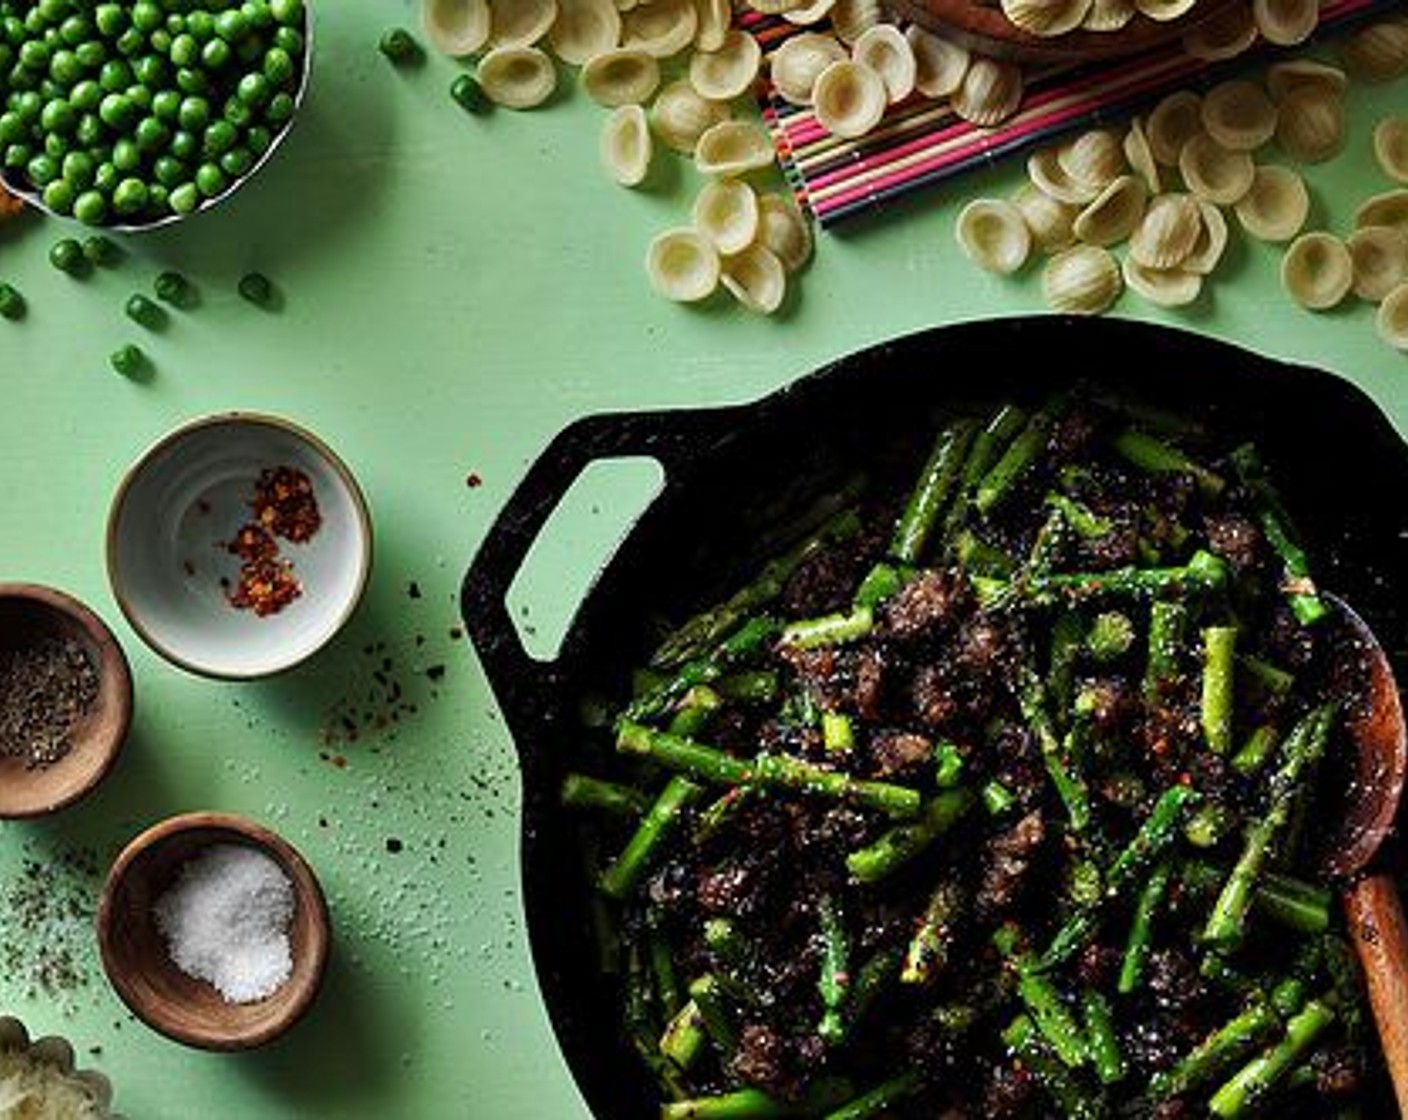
(12, 305)
(128, 360)
(145, 312)
(67, 256)
(400, 47)
(102, 251)
(257, 288)
(175, 289)
(468, 94)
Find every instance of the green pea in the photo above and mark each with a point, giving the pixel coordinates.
(53, 11)
(286, 38)
(67, 256)
(279, 109)
(128, 360)
(117, 111)
(102, 251)
(130, 198)
(145, 312)
(216, 54)
(191, 79)
(86, 95)
(200, 23)
(175, 289)
(75, 29)
(90, 208)
(237, 162)
(58, 196)
(159, 197)
(65, 68)
(130, 42)
(115, 75)
(56, 145)
(91, 55)
(400, 47)
(34, 55)
(151, 134)
(58, 116)
(257, 289)
(29, 105)
(150, 70)
(287, 12)
(160, 40)
(468, 94)
(194, 114)
(79, 168)
(175, 23)
(253, 89)
(185, 50)
(110, 20)
(259, 139)
(147, 16)
(169, 171)
(16, 156)
(12, 304)
(257, 14)
(183, 198)
(238, 113)
(126, 156)
(220, 137)
(140, 96)
(12, 127)
(210, 180)
(184, 145)
(90, 131)
(231, 25)
(42, 170)
(107, 178)
(278, 66)
(166, 106)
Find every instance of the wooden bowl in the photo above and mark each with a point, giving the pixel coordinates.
(983, 27)
(135, 956)
(30, 613)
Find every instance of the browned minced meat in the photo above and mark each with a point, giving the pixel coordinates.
(818, 671)
(1337, 1073)
(1009, 856)
(826, 580)
(870, 682)
(934, 696)
(895, 753)
(1235, 538)
(759, 1059)
(1009, 1092)
(923, 605)
(1175, 1108)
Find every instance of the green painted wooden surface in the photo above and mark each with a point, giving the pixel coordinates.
(457, 289)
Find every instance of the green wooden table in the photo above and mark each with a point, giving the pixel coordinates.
(456, 290)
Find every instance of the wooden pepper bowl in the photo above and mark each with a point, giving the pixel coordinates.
(31, 613)
(135, 955)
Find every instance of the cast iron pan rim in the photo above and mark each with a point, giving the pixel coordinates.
(534, 696)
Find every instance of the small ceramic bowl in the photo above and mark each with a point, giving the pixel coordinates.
(137, 960)
(21, 1057)
(175, 567)
(31, 614)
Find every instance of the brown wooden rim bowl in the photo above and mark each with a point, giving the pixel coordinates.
(984, 28)
(30, 612)
(134, 952)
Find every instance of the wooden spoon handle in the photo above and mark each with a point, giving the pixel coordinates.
(1380, 935)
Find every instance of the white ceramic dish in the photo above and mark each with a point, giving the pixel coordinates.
(172, 573)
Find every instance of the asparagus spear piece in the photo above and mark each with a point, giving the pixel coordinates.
(1203, 573)
(1044, 1003)
(988, 445)
(1168, 624)
(1021, 453)
(1155, 836)
(1071, 1100)
(1256, 752)
(880, 1100)
(1297, 584)
(706, 994)
(1083, 521)
(834, 983)
(1141, 930)
(1149, 453)
(1296, 904)
(741, 1104)
(927, 954)
(766, 771)
(936, 484)
(582, 791)
(1104, 1042)
(737, 648)
(705, 630)
(1219, 676)
(1070, 786)
(1218, 1052)
(1110, 636)
(620, 879)
(684, 1037)
(898, 845)
(641, 1027)
(1251, 1084)
(1301, 750)
(829, 630)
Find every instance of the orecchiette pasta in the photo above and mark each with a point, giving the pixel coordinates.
(1387, 209)
(1050, 221)
(756, 278)
(1140, 156)
(994, 235)
(1093, 160)
(626, 145)
(714, 23)
(851, 19)
(623, 76)
(1378, 52)
(1173, 287)
(1284, 76)
(682, 265)
(1392, 319)
(990, 92)
(1083, 280)
(583, 29)
(1114, 213)
(517, 77)
(1222, 36)
(521, 24)
(1211, 243)
(726, 212)
(1317, 270)
(1391, 147)
(939, 63)
(1171, 123)
(1045, 170)
(680, 115)
(1310, 124)
(1046, 18)
(1168, 232)
(1380, 256)
(458, 28)
(1285, 22)
(1276, 206)
(729, 71)
(1213, 172)
(849, 98)
(733, 148)
(661, 28)
(886, 51)
(1105, 16)
(796, 65)
(783, 230)
(1239, 114)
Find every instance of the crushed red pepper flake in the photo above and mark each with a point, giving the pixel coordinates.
(283, 505)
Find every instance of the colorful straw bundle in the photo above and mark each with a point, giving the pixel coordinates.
(922, 142)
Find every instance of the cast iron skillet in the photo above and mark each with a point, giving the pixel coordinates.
(734, 473)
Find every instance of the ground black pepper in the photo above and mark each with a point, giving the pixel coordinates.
(46, 919)
(45, 689)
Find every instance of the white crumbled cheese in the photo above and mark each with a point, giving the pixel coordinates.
(226, 921)
(31, 1089)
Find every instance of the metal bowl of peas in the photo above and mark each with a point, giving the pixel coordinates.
(133, 114)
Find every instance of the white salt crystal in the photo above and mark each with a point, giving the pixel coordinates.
(226, 921)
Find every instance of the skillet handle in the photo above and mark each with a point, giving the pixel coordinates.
(1380, 935)
(519, 680)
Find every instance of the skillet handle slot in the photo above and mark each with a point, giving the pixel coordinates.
(519, 680)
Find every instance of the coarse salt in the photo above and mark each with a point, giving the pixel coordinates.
(226, 921)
